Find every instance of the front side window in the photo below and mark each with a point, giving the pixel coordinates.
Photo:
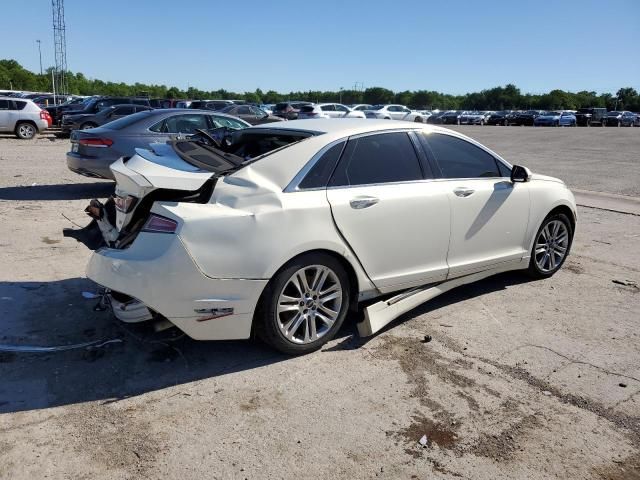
(220, 121)
(327, 108)
(181, 124)
(379, 158)
(243, 111)
(341, 108)
(458, 158)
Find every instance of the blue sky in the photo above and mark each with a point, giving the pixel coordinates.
(454, 46)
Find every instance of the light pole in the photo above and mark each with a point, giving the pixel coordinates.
(341, 94)
(40, 53)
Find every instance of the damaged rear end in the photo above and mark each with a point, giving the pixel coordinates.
(140, 257)
(150, 176)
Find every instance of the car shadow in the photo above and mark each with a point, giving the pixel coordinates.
(137, 362)
(502, 281)
(65, 191)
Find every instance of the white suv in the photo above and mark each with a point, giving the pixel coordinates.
(22, 117)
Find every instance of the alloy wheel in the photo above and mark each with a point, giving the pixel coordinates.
(551, 246)
(26, 130)
(309, 304)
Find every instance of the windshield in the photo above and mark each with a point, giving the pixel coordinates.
(613, 114)
(552, 113)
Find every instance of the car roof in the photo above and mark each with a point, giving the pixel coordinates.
(16, 98)
(344, 127)
(323, 132)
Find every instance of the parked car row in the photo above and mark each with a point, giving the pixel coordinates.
(536, 118)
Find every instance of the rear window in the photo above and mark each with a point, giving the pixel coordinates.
(124, 122)
(307, 109)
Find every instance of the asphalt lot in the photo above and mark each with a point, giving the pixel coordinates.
(521, 380)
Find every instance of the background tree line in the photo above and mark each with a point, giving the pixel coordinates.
(13, 76)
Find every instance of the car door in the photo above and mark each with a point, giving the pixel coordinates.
(341, 111)
(396, 112)
(489, 213)
(392, 214)
(4, 115)
(329, 110)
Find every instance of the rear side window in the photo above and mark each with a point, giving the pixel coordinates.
(319, 174)
(18, 105)
(124, 122)
(123, 111)
(4, 104)
(458, 158)
(380, 158)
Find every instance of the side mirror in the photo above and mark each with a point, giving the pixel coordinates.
(520, 174)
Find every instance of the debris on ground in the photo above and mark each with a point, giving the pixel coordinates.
(626, 283)
(423, 441)
(59, 348)
(623, 385)
(90, 295)
(427, 339)
(546, 393)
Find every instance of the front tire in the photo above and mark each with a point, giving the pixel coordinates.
(25, 131)
(87, 126)
(304, 304)
(551, 246)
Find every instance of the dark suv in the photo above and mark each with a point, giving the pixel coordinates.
(96, 104)
(585, 117)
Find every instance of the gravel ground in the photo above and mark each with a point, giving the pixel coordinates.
(520, 380)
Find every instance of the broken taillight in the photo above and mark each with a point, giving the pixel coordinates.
(160, 224)
(96, 142)
(125, 204)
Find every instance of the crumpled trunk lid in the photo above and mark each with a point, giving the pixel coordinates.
(151, 170)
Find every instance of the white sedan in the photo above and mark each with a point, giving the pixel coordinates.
(328, 110)
(283, 229)
(395, 112)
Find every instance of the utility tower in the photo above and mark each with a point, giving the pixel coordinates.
(60, 43)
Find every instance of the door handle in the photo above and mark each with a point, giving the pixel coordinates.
(359, 203)
(463, 192)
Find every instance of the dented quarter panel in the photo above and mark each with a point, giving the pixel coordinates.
(272, 226)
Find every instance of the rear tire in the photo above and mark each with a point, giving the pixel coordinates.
(418, 120)
(25, 131)
(308, 298)
(551, 246)
(506, 123)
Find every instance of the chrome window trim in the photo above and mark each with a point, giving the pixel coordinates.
(453, 133)
(293, 184)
